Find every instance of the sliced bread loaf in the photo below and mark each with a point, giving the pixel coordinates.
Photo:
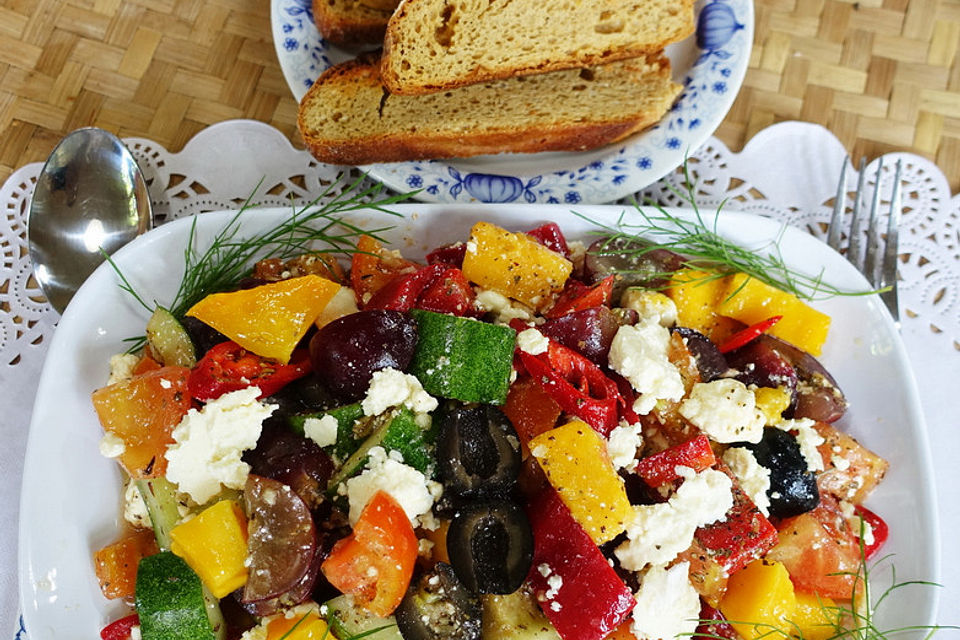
(348, 117)
(352, 23)
(433, 45)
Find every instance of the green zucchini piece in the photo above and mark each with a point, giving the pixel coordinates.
(160, 496)
(346, 417)
(169, 340)
(347, 620)
(515, 616)
(396, 430)
(461, 358)
(169, 600)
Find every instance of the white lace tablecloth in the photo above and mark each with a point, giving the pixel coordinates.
(787, 172)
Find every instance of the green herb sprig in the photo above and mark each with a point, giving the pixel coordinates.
(705, 249)
(229, 258)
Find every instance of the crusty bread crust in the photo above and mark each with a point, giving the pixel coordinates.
(351, 23)
(436, 45)
(348, 117)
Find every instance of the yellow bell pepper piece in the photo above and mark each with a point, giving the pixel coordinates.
(697, 294)
(306, 626)
(772, 403)
(214, 544)
(575, 460)
(816, 617)
(514, 265)
(268, 320)
(760, 601)
(750, 301)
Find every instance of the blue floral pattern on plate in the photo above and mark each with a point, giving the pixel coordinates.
(710, 66)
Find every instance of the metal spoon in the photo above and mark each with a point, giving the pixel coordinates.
(90, 196)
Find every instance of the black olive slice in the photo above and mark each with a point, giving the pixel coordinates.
(490, 545)
(793, 487)
(478, 451)
(438, 607)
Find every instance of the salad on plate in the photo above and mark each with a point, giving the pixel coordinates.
(520, 436)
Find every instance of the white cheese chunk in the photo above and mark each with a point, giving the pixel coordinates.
(658, 532)
(503, 308)
(208, 444)
(726, 410)
(112, 445)
(532, 341)
(323, 430)
(667, 604)
(393, 388)
(121, 367)
(752, 476)
(807, 438)
(639, 354)
(406, 485)
(623, 443)
(651, 305)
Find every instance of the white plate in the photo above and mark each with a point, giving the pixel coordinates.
(710, 65)
(71, 495)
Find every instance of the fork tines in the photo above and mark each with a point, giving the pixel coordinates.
(880, 270)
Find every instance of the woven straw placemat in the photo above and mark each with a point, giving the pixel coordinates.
(883, 75)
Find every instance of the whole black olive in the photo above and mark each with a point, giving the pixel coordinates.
(438, 607)
(490, 545)
(478, 451)
(793, 487)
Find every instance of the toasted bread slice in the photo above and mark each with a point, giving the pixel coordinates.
(434, 45)
(348, 117)
(353, 23)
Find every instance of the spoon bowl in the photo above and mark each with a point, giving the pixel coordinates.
(90, 199)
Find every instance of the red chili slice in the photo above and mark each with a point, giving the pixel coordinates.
(744, 336)
(878, 527)
(120, 629)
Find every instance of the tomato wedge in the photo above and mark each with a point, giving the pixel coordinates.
(372, 267)
(229, 367)
(375, 562)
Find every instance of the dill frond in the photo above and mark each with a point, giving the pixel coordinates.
(698, 240)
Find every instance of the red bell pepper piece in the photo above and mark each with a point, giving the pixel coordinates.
(435, 287)
(579, 386)
(577, 296)
(591, 600)
(449, 293)
(878, 527)
(740, 538)
(661, 468)
(120, 629)
(401, 293)
(747, 335)
(229, 367)
(550, 236)
(451, 254)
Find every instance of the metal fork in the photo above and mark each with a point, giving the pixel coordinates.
(881, 274)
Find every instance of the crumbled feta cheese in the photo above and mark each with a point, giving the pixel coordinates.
(112, 445)
(658, 532)
(651, 305)
(406, 485)
(639, 354)
(323, 430)
(554, 582)
(505, 309)
(392, 388)
(667, 604)
(753, 477)
(726, 410)
(209, 442)
(135, 633)
(808, 439)
(134, 508)
(121, 367)
(532, 341)
(623, 443)
(857, 524)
